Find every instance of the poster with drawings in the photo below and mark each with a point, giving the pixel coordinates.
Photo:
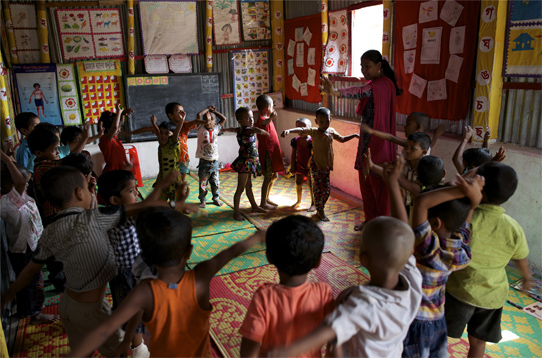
(90, 33)
(226, 27)
(251, 76)
(256, 20)
(68, 95)
(25, 30)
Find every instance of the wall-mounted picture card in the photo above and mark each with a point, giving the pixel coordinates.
(156, 64)
(68, 94)
(428, 11)
(226, 24)
(417, 86)
(251, 76)
(25, 31)
(436, 90)
(451, 11)
(180, 64)
(256, 21)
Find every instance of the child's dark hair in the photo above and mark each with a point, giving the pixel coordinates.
(430, 170)
(263, 101)
(50, 127)
(7, 180)
(376, 57)
(164, 235)
(171, 106)
(59, 183)
(422, 119)
(36, 84)
(80, 161)
(423, 140)
(112, 183)
(294, 244)
(474, 157)
(304, 120)
(22, 120)
(41, 138)
(168, 125)
(323, 111)
(69, 134)
(452, 213)
(239, 112)
(107, 118)
(501, 182)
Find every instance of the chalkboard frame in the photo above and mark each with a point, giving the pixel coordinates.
(161, 115)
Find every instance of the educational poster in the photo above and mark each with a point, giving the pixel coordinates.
(256, 21)
(251, 76)
(431, 43)
(180, 64)
(90, 33)
(337, 48)
(226, 26)
(524, 40)
(163, 22)
(304, 55)
(25, 30)
(68, 94)
(156, 64)
(100, 86)
(37, 91)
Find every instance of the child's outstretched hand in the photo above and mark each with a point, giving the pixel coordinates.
(284, 133)
(211, 108)
(468, 133)
(366, 128)
(440, 130)
(392, 172)
(471, 188)
(183, 191)
(86, 132)
(500, 155)
(101, 128)
(273, 115)
(326, 87)
(154, 120)
(487, 134)
(368, 161)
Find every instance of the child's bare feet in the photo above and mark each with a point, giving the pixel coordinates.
(296, 205)
(359, 227)
(312, 208)
(269, 202)
(258, 209)
(217, 202)
(186, 212)
(322, 215)
(202, 204)
(237, 216)
(266, 207)
(42, 318)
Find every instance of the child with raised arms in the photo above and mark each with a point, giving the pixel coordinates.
(301, 155)
(322, 156)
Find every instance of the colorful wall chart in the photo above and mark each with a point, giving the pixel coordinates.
(303, 41)
(524, 40)
(337, 49)
(37, 91)
(251, 76)
(25, 29)
(68, 95)
(100, 87)
(226, 27)
(256, 21)
(161, 24)
(90, 33)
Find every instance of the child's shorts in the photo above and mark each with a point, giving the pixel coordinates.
(484, 324)
(183, 168)
(267, 166)
(426, 339)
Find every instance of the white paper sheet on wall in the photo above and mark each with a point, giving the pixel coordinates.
(291, 67)
(303, 89)
(410, 36)
(451, 11)
(454, 68)
(431, 42)
(428, 11)
(417, 85)
(457, 40)
(311, 56)
(307, 36)
(298, 34)
(296, 83)
(436, 90)
(300, 55)
(311, 76)
(409, 58)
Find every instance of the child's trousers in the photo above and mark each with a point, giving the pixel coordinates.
(321, 186)
(208, 173)
(31, 298)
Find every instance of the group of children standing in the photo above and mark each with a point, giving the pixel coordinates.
(436, 265)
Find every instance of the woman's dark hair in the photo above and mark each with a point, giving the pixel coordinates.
(376, 57)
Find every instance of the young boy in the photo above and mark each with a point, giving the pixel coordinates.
(207, 152)
(465, 160)
(268, 148)
(322, 156)
(441, 222)
(301, 154)
(84, 164)
(176, 307)
(25, 123)
(78, 238)
(372, 320)
(475, 296)
(281, 313)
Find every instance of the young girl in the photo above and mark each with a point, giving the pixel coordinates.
(322, 157)
(247, 163)
(169, 151)
(301, 154)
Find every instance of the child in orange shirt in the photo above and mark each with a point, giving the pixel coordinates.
(279, 314)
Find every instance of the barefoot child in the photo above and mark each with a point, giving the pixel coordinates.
(247, 163)
(301, 155)
(39, 97)
(322, 156)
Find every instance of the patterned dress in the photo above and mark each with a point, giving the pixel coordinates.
(168, 158)
(247, 161)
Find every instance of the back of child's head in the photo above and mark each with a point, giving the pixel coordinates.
(168, 125)
(7, 181)
(305, 121)
(50, 127)
(107, 118)
(474, 157)
(170, 107)
(323, 111)
(263, 101)
(41, 138)
(59, 184)
(430, 170)
(422, 119)
(240, 112)
(294, 244)
(501, 182)
(422, 139)
(80, 161)
(23, 120)
(164, 235)
(452, 213)
(387, 242)
(111, 183)
(69, 134)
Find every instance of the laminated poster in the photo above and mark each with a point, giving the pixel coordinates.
(156, 64)
(457, 40)
(417, 85)
(38, 92)
(436, 90)
(226, 26)
(410, 36)
(68, 95)
(25, 30)
(100, 87)
(431, 41)
(428, 11)
(451, 11)
(454, 68)
(409, 58)
(180, 64)
(251, 76)
(256, 21)
(161, 24)
(90, 33)
(337, 49)
(278, 99)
